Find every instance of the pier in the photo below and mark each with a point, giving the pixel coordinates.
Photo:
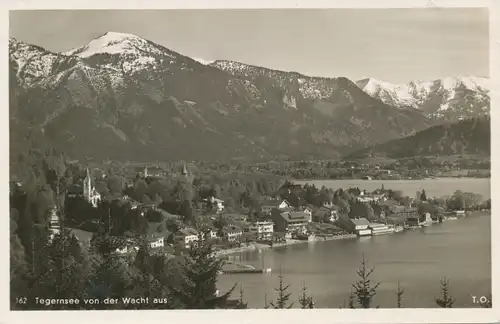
(236, 268)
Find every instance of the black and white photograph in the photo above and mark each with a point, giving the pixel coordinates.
(313, 158)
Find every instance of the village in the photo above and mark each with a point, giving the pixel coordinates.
(278, 221)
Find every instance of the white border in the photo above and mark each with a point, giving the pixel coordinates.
(250, 316)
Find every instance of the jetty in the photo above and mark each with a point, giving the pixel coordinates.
(237, 268)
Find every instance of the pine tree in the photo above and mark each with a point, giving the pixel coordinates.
(305, 301)
(445, 301)
(241, 302)
(363, 288)
(283, 295)
(108, 278)
(423, 196)
(399, 295)
(66, 274)
(352, 300)
(197, 286)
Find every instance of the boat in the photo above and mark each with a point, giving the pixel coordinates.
(381, 229)
(398, 228)
(364, 232)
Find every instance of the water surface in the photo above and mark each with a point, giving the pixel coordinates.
(459, 249)
(433, 187)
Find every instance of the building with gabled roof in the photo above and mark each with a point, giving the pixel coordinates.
(289, 221)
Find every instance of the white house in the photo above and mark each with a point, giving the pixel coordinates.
(308, 212)
(186, 236)
(217, 204)
(268, 205)
(264, 230)
(326, 214)
(157, 242)
(232, 233)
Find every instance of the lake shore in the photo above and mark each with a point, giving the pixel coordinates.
(305, 180)
(259, 246)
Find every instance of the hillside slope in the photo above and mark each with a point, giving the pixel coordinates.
(470, 136)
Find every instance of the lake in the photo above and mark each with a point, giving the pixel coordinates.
(433, 187)
(458, 249)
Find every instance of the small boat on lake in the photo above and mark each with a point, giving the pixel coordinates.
(364, 232)
(381, 229)
(398, 228)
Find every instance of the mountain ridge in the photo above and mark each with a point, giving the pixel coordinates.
(135, 99)
(470, 137)
(446, 99)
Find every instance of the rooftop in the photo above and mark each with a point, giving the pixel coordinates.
(188, 231)
(294, 216)
(272, 202)
(231, 229)
(360, 221)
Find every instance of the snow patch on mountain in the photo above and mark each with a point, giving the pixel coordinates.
(202, 61)
(114, 43)
(462, 95)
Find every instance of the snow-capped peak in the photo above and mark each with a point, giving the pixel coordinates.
(111, 43)
(463, 94)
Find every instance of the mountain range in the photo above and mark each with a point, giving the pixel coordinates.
(124, 97)
(447, 99)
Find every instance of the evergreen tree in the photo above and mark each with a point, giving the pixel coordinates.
(109, 278)
(65, 272)
(423, 196)
(363, 288)
(399, 295)
(147, 279)
(241, 302)
(352, 300)
(305, 301)
(198, 278)
(445, 301)
(283, 295)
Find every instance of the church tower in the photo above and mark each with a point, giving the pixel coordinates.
(87, 186)
(185, 173)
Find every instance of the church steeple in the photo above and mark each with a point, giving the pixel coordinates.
(184, 171)
(87, 185)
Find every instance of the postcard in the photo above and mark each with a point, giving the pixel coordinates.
(300, 162)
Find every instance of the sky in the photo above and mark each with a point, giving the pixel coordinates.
(394, 45)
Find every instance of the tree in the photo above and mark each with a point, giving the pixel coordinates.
(198, 278)
(445, 301)
(115, 184)
(352, 300)
(363, 288)
(399, 295)
(423, 196)
(305, 301)
(187, 211)
(241, 303)
(283, 295)
(108, 278)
